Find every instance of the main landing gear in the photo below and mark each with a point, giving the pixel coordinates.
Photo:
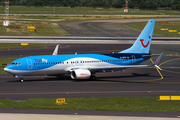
(93, 77)
(21, 80)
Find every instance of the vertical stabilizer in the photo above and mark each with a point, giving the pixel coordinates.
(143, 42)
(56, 50)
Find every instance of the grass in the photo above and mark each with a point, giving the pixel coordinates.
(104, 104)
(45, 18)
(42, 29)
(6, 60)
(62, 18)
(2, 72)
(62, 10)
(171, 25)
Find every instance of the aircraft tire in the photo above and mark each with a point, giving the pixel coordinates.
(93, 77)
(21, 80)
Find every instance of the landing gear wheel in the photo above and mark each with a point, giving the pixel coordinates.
(93, 77)
(21, 80)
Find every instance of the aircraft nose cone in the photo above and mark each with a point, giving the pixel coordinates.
(6, 69)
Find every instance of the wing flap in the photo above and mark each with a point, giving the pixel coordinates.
(107, 68)
(116, 67)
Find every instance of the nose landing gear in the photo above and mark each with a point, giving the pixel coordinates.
(21, 80)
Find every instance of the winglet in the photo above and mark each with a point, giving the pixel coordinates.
(157, 61)
(56, 50)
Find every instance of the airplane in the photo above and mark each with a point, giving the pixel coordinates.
(84, 66)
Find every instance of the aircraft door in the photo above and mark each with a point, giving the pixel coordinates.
(133, 59)
(29, 64)
(79, 62)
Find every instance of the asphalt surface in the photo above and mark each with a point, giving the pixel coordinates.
(98, 29)
(105, 28)
(132, 83)
(63, 49)
(91, 112)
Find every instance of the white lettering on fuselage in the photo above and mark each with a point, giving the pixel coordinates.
(41, 60)
(44, 60)
(123, 57)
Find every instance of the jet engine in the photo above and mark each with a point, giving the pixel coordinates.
(80, 74)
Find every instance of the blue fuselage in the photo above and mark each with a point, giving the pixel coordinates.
(60, 64)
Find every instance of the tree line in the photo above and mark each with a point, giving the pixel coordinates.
(141, 4)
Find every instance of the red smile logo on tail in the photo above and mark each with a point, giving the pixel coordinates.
(143, 43)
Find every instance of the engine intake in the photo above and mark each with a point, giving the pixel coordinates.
(80, 74)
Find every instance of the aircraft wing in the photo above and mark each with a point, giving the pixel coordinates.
(108, 68)
(119, 67)
(103, 69)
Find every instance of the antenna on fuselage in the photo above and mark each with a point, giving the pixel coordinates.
(56, 50)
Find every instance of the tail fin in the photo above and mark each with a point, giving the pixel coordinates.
(143, 42)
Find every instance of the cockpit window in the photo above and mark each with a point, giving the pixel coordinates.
(15, 63)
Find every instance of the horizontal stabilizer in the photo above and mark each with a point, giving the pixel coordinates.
(158, 59)
(157, 67)
(157, 62)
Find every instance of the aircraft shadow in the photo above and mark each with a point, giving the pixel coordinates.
(127, 79)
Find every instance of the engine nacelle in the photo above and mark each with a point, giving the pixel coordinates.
(80, 74)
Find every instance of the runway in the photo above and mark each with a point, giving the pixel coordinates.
(119, 115)
(84, 40)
